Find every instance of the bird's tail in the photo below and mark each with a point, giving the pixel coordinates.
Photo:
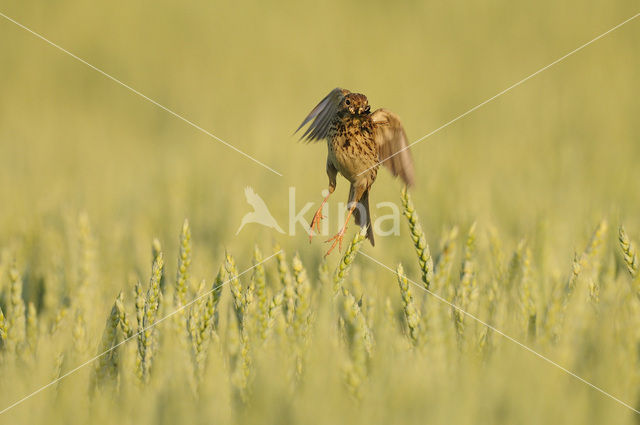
(366, 220)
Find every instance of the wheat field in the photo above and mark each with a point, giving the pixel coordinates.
(127, 294)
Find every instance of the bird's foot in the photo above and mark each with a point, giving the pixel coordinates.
(337, 240)
(317, 217)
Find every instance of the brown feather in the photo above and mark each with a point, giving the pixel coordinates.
(322, 115)
(393, 147)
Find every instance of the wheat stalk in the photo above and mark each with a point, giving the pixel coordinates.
(347, 259)
(16, 326)
(106, 368)
(466, 291)
(85, 273)
(527, 300)
(442, 275)
(288, 291)
(259, 282)
(580, 262)
(156, 249)
(303, 298)
(629, 253)
(359, 342)
(216, 293)
(32, 328)
(324, 275)
(236, 289)
(184, 264)
(239, 351)
(302, 310)
(123, 318)
(497, 256)
(419, 241)
(146, 336)
(3, 330)
(411, 313)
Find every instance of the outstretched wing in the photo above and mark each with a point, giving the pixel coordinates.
(392, 145)
(322, 115)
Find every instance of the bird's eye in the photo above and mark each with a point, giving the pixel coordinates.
(347, 102)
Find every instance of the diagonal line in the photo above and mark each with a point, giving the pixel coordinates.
(39, 390)
(480, 105)
(515, 341)
(164, 108)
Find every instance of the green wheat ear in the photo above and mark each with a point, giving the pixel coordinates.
(629, 253)
(442, 276)
(359, 343)
(106, 368)
(147, 336)
(258, 280)
(631, 259)
(419, 241)
(156, 249)
(287, 295)
(352, 318)
(585, 260)
(184, 263)
(3, 330)
(466, 291)
(32, 328)
(303, 298)
(16, 328)
(123, 318)
(527, 299)
(139, 294)
(347, 259)
(411, 313)
(236, 288)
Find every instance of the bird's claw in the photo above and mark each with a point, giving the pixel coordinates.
(315, 223)
(337, 240)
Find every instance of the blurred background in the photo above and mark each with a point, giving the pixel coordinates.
(560, 149)
(544, 162)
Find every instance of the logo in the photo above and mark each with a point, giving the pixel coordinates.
(383, 224)
(260, 213)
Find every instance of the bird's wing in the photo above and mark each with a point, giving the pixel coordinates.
(392, 145)
(322, 115)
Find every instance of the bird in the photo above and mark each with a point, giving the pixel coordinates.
(358, 141)
(260, 213)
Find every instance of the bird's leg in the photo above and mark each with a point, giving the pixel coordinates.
(317, 217)
(331, 173)
(337, 239)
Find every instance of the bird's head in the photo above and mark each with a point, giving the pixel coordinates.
(355, 104)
